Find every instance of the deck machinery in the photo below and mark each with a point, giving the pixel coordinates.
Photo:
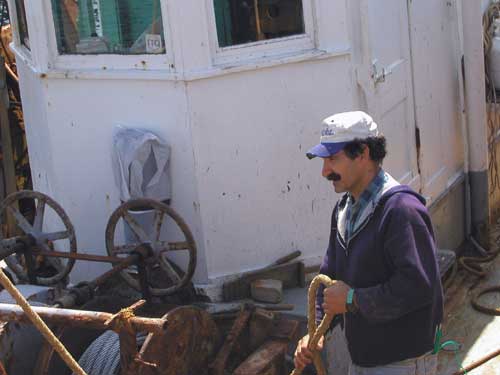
(169, 332)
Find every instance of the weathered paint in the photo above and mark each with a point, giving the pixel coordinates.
(448, 217)
(434, 37)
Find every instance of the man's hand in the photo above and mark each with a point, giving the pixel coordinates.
(334, 298)
(303, 356)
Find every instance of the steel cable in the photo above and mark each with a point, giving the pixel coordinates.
(102, 357)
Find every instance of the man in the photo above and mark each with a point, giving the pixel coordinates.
(388, 296)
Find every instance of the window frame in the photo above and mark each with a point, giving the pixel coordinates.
(108, 62)
(240, 53)
(18, 44)
(18, 28)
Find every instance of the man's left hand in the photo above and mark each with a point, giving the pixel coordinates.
(335, 297)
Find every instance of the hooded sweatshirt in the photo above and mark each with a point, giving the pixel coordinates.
(390, 260)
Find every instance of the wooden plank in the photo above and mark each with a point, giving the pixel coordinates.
(269, 359)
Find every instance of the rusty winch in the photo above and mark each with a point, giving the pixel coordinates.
(156, 337)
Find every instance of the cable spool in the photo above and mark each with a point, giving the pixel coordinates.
(102, 357)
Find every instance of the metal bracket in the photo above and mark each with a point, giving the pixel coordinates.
(379, 76)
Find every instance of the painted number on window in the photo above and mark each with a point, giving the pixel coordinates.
(154, 43)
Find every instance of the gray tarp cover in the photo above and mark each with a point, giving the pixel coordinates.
(140, 164)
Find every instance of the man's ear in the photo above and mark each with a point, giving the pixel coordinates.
(366, 152)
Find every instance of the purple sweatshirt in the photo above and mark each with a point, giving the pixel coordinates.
(391, 263)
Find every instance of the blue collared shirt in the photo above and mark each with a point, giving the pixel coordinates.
(354, 208)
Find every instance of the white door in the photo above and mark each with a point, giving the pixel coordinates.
(386, 79)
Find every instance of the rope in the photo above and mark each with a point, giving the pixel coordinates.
(40, 325)
(315, 333)
(484, 309)
(473, 265)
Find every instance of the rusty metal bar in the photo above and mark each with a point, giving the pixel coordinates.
(74, 295)
(78, 256)
(17, 247)
(479, 362)
(121, 322)
(79, 318)
(126, 262)
(18, 244)
(128, 352)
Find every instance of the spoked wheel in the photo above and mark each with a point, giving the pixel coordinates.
(151, 235)
(33, 227)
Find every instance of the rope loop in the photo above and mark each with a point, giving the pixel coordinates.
(315, 332)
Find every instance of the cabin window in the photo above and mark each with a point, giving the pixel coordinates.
(22, 24)
(247, 21)
(123, 27)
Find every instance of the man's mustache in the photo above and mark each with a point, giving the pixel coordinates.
(334, 177)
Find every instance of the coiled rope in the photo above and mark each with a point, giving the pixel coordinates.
(473, 265)
(315, 333)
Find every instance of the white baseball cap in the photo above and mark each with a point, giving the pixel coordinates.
(340, 129)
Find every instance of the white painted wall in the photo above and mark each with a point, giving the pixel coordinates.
(435, 51)
(82, 130)
(260, 196)
(238, 132)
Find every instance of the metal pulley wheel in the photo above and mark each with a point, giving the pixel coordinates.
(188, 346)
(152, 236)
(40, 241)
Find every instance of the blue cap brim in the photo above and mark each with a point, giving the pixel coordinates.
(325, 150)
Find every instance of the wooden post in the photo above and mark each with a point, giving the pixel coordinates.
(7, 152)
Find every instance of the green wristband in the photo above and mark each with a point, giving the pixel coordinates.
(350, 296)
(349, 304)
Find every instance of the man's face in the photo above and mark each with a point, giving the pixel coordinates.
(343, 171)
